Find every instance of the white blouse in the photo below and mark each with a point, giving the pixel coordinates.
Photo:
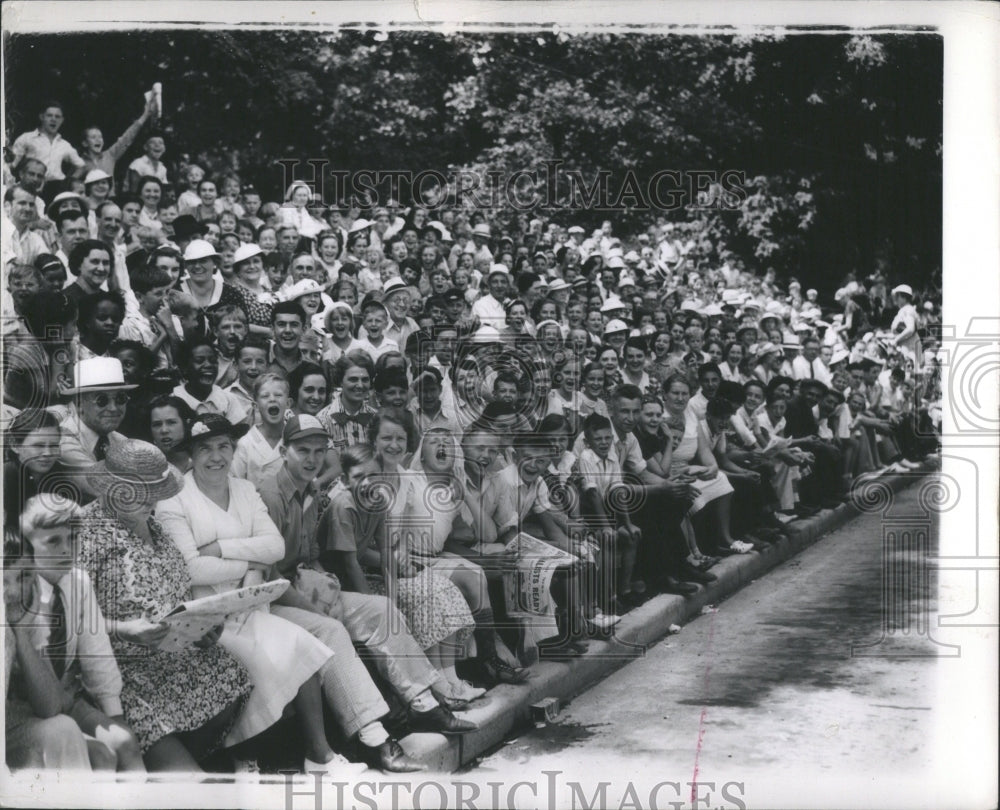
(244, 532)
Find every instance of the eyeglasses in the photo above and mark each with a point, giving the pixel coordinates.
(103, 400)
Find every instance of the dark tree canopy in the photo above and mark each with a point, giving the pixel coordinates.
(837, 135)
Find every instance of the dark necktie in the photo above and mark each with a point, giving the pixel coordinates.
(101, 448)
(55, 650)
(812, 371)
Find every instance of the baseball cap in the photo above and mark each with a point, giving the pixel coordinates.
(302, 427)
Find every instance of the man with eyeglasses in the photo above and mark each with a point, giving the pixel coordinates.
(100, 396)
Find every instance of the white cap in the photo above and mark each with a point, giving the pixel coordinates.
(498, 268)
(575, 229)
(95, 176)
(486, 334)
(359, 225)
(905, 289)
(557, 284)
(613, 303)
(199, 249)
(244, 252)
(615, 325)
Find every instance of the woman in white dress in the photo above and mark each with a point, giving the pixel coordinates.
(222, 529)
(692, 456)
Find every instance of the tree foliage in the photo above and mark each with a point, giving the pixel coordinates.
(837, 135)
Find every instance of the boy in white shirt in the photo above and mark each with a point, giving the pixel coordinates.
(602, 503)
(75, 638)
(258, 454)
(375, 318)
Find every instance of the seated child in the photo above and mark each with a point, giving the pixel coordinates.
(37, 732)
(75, 639)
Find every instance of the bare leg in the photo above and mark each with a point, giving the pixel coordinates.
(102, 758)
(713, 521)
(447, 651)
(309, 710)
(169, 754)
(629, 552)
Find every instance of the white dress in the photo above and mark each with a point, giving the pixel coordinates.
(685, 448)
(280, 656)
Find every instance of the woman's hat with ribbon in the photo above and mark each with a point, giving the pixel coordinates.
(134, 471)
(210, 425)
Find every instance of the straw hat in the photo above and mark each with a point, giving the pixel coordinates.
(767, 348)
(306, 286)
(393, 285)
(134, 471)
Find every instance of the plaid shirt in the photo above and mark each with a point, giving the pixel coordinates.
(346, 429)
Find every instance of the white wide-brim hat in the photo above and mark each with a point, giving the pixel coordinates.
(98, 374)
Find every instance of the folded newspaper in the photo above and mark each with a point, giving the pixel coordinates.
(157, 93)
(526, 588)
(191, 620)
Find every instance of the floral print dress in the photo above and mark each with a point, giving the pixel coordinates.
(162, 692)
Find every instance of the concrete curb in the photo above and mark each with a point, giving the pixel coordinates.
(509, 706)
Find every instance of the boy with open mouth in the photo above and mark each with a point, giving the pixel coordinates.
(257, 457)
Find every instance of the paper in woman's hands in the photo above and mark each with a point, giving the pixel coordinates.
(191, 620)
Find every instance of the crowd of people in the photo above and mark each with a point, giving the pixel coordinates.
(205, 390)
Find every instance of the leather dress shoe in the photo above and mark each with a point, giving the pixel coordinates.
(441, 720)
(675, 586)
(391, 758)
(502, 672)
(692, 574)
(558, 648)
